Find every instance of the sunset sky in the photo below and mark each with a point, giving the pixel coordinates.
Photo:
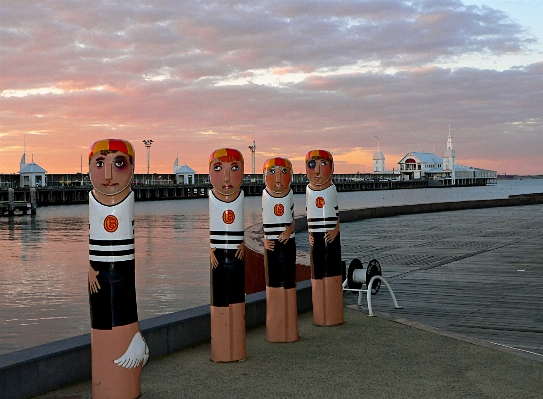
(294, 75)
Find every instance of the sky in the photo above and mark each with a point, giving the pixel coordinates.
(346, 76)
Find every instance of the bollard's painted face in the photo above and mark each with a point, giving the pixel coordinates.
(111, 174)
(319, 171)
(226, 177)
(278, 179)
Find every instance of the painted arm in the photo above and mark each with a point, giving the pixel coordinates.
(240, 253)
(285, 235)
(93, 281)
(311, 240)
(213, 258)
(331, 235)
(269, 244)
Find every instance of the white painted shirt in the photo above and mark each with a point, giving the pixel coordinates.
(277, 213)
(111, 230)
(226, 222)
(322, 209)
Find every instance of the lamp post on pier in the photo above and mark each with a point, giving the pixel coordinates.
(253, 149)
(147, 144)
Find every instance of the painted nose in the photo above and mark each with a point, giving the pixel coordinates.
(108, 171)
(226, 174)
(317, 168)
(278, 176)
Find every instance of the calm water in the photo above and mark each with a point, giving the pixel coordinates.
(44, 258)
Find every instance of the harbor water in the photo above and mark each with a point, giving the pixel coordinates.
(44, 258)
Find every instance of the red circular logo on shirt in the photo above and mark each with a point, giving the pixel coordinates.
(279, 210)
(111, 224)
(228, 217)
(319, 202)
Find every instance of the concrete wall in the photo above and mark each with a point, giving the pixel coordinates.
(44, 368)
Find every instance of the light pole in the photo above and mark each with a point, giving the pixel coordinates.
(147, 144)
(253, 149)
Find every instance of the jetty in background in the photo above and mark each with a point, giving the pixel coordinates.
(73, 189)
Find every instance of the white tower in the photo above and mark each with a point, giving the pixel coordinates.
(378, 162)
(378, 159)
(448, 158)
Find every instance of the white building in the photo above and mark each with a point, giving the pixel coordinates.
(443, 171)
(415, 165)
(183, 174)
(32, 175)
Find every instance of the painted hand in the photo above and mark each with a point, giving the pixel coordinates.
(240, 253)
(285, 235)
(213, 258)
(269, 244)
(94, 285)
(331, 235)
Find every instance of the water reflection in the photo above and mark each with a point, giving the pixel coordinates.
(44, 258)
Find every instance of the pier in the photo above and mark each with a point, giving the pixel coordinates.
(17, 204)
(66, 195)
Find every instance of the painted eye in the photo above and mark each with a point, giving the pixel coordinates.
(119, 163)
(216, 168)
(324, 162)
(272, 171)
(285, 171)
(99, 164)
(311, 164)
(235, 167)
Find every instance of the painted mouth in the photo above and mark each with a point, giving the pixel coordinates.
(110, 184)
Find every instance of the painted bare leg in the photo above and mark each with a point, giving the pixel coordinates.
(220, 334)
(291, 315)
(333, 301)
(275, 314)
(317, 292)
(109, 379)
(238, 332)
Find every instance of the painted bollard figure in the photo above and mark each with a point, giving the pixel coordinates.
(118, 350)
(324, 240)
(227, 252)
(279, 252)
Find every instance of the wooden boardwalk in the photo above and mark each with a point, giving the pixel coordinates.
(478, 273)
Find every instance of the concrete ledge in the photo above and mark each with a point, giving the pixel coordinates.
(30, 372)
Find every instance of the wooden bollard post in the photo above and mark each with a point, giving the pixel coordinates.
(324, 240)
(227, 253)
(33, 201)
(11, 201)
(118, 350)
(279, 251)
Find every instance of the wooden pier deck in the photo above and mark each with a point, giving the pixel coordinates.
(477, 273)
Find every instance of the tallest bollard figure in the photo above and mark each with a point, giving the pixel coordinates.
(226, 253)
(118, 350)
(324, 241)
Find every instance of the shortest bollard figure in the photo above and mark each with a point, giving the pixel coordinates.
(118, 349)
(324, 240)
(279, 252)
(226, 253)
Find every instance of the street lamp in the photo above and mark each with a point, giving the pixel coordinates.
(147, 144)
(253, 149)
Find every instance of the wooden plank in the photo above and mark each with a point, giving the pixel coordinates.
(474, 272)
